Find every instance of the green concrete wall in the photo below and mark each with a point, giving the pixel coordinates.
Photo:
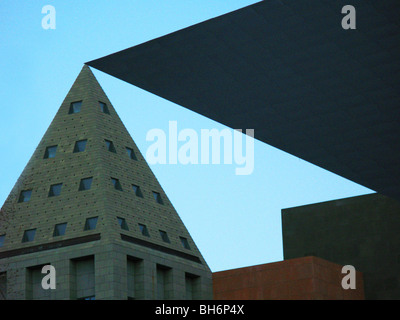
(361, 231)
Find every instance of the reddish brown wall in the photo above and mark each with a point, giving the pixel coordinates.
(294, 279)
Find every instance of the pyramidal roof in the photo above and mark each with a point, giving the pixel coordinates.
(88, 166)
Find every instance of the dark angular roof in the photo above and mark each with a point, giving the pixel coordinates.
(290, 71)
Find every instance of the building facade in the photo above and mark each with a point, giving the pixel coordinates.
(361, 231)
(306, 278)
(88, 204)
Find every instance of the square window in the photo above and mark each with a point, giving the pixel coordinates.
(29, 235)
(137, 190)
(104, 108)
(25, 196)
(123, 224)
(131, 153)
(85, 184)
(157, 197)
(185, 243)
(80, 146)
(143, 230)
(110, 146)
(59, 229)
(2, 238)
(50, 152)
(55, 190)
(90, 223)
(117, 184)
(164, 236)
(75, 107)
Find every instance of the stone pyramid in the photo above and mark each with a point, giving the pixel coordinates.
(88, 204)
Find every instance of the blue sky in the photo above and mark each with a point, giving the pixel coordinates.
(234, 220)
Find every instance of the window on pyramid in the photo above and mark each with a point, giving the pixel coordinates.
(2, 238)
(85, 184)
(25, 196)
(80, 146)
(90, 223)
(59, 229)
(157, 197)
(137, 190)
(117, 184)
(131, 153)
(55, 190)
(164, 236)
(185, 243)
(75, 107)
(104, 108)
(122, 223)
(29, 235)
(50, 152)
(110, 146)
(143, 230)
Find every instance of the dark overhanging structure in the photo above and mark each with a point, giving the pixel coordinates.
(290, 71)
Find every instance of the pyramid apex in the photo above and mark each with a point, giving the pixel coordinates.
(86, 87)
(86, 68)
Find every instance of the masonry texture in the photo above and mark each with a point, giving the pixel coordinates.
(136, 247)
(307, 278)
